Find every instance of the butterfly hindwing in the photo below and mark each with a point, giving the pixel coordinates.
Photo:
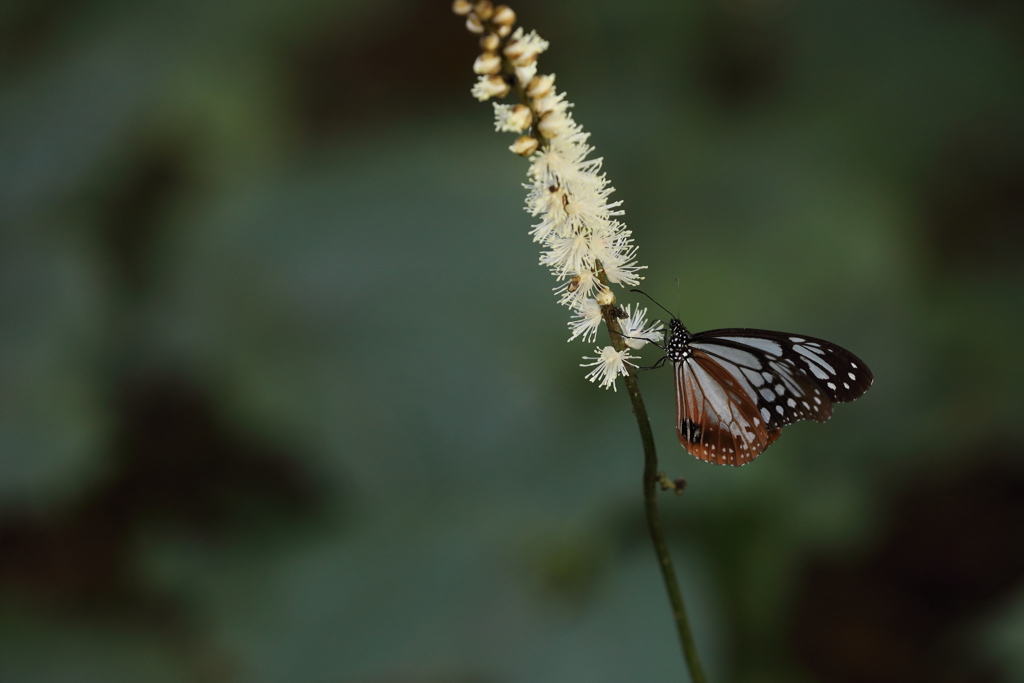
(717, 419)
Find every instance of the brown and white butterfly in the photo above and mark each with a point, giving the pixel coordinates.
(737, 388)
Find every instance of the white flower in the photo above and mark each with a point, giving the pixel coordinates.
(608, 365)
(522, 50)
(566, 255)
(553, 124)
(624, 271)
(548, 202)
(501, 114)
(577, 289)
(588, 319)
(616, 255)
(636, 333)
(487, 87)
(611, 245)
(525, 74)
(510, 118)
(530, 40)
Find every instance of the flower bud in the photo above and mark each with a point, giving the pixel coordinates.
(503, 30)
(551, 124)
(515, 49)
(520, 117)
(525, 73)
(521, 52)
(473, 24)
(545, 104)
(504, 16)
(462, 7)
(540, 86)
(528, 58)
(487, 63)
(484, 9)
(492, 86)
(524, 146)
(605, 297)
(490, 43)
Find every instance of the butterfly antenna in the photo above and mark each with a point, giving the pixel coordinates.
(626, 336)
(655, 302)
(679, 305)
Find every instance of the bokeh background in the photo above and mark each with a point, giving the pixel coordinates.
(285, 397)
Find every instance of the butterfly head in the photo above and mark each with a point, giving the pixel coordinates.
(678, 347)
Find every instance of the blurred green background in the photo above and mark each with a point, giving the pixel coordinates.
(284, 396)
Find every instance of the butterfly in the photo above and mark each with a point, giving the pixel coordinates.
(737, 388)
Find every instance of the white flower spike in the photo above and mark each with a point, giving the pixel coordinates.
(583, 240)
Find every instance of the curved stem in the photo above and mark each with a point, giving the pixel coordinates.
(650, 482)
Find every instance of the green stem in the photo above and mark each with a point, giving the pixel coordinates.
(668, 574)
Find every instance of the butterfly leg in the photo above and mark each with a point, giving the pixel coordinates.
(661, 361)
(626, 336)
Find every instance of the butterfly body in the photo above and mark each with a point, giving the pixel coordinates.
(736, 388)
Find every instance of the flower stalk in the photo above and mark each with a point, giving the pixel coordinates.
(652, 478)
(585, 245)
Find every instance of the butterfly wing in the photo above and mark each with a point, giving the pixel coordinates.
(717, 419)
(771, 378)
(840, 375)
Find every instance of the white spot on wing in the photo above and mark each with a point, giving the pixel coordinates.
(758, 343)
(753, 377)
(814, 357)
(815, 370)
(713, 391)
(737, 356)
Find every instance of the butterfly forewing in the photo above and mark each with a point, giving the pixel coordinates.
(781, 391)
(736, 388)
(841, 375)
